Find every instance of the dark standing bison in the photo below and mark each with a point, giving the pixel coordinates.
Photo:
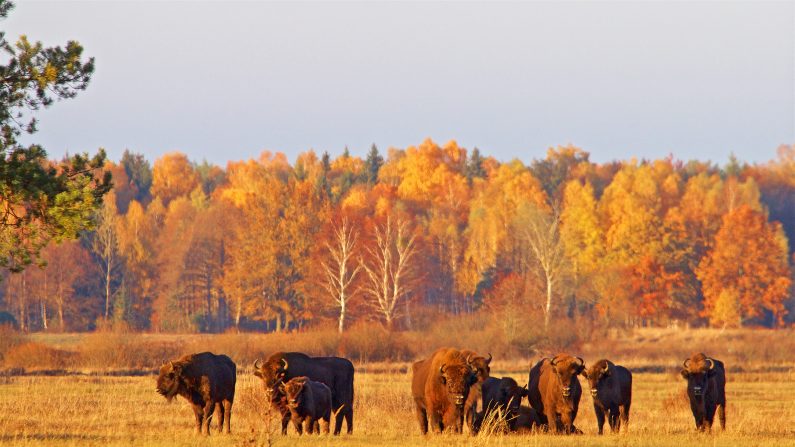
(503, 395)
(481, 367)
(554, 391)
(205, 380)
(706, 389)
(611, 388)
(334, 372)
(440, 386)
(309, 402)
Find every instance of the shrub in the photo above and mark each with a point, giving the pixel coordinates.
(32, 355)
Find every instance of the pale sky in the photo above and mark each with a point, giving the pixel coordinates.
(224, 81)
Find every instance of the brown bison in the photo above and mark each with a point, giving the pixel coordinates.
(611, 388)
(309, 402)
(481, 367)
(334, 372)
(554, 391)
(205, 380)
(706, 388)
(440, 386)
(504, 395)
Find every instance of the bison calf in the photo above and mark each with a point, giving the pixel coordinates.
(706, 389)
(611, 389)
(309, 402)
(504, 395)
(205, 380)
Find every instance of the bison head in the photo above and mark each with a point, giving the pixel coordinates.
(566, 369)
(697, 370)
(169, 380)
(480, 365)
(510, 395)
(271, 371)
(597, 374)
(294, 390)
(457, 378)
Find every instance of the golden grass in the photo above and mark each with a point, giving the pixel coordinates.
(122, 411)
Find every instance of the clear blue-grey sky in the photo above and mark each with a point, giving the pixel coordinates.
(224, 81)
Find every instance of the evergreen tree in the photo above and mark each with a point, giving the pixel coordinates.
(474, 167)
(41, 200)
(372, 165)
(139, 172)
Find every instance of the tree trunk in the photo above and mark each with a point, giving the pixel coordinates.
(107, 291)
(342, 316)
(549, 304)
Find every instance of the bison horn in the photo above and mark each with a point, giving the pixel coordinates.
(607, 366)
(284, 360)
(441, 369)
(711, 363)
(685, 364)
(488, 361)
(553, 361)
(469, 358)
(171, 364)
(256, 364)
(582, 362)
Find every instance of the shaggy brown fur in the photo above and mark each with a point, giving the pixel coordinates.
(440, 386)
(205, 380)
(309, 403)
(554, 391)
(706, 389)
(611, 388)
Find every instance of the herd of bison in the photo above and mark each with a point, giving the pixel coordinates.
(450, 389)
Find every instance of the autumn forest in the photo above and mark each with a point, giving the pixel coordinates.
(417, 233)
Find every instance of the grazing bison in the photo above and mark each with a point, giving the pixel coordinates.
(611, 388)
(334, 372)
(440, 386)
(504, 395)
(706, 388)
(481, 367)
(205, 380)
(554, 391)
(309, 402)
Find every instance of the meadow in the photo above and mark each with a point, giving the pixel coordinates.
(84, 405)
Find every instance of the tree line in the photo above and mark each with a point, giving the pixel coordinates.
(426, 230)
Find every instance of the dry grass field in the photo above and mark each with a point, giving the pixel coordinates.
(123, 411)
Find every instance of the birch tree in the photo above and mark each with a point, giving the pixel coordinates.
(389, 268)
(340, 269)
(544, 251)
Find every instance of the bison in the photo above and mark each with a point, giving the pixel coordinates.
(309, 402)
(481, 366)
(526, 420)
(504, 395)
(611, 388)
(706, 389)
(334, 372)
(554, 391)
(205, 380)
(440, 386)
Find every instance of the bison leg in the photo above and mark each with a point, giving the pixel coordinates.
(228, 415)
(624, 414)
(208, 409)
(219, 410)
(436, 423)
(197, 411)
(338, 409)
(349, 419)
(285, 421)
(722, 416)
(600, 417)
(422, 417)
(615, 423)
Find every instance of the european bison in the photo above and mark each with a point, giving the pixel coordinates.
(309, 402)
(205, 380)
(706, 388)
(527, 420)
(554, 391)
(440, 386)
(611, 388)
(504, 395)
(481, 367)
(334, 372)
